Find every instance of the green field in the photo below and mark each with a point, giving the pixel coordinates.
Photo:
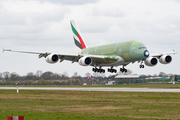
(55, 105)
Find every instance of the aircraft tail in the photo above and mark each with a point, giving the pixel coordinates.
(78, 39)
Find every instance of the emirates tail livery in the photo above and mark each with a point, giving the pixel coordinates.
(110, 55)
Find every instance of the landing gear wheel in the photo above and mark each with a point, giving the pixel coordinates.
(112, 70)
(98, 70)
(123, 70)
(141, 66)
(95, 69)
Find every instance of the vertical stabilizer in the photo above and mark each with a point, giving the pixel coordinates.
(78, 39)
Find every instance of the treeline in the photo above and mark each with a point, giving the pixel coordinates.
(33, 76)
(49, 78)
(39, 78)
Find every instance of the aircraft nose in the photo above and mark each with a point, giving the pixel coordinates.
(146, 53)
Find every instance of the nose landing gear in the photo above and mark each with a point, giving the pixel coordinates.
(141, 65)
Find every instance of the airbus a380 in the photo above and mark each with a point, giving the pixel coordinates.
(110, 55)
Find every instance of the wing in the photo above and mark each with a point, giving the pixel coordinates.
(96, 59)
(161, 54)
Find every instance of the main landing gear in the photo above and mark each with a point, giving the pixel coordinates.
(112, 70)
(103, 71)
(109, 70)
(98, 70)
(123, 70)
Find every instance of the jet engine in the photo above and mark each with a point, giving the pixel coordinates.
(52, 58)
(165, 59)
(151, 61)
(85, 61)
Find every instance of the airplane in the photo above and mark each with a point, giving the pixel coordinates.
(109, 55)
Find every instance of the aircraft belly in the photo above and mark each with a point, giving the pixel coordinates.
(118, 63)
(107, 63)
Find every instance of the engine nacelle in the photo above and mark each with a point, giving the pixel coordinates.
(165, 59)
(52, 58)
(151, 61)
(85, 61)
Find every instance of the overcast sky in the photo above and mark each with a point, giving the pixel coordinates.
(44, 26)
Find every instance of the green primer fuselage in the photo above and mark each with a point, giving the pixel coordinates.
(129, 51)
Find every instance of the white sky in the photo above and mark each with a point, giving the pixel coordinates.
(44, 26)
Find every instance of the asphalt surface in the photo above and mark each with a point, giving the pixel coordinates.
(94, 89)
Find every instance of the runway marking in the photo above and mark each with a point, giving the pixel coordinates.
(94, 89)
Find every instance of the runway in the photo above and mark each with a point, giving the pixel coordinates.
(94, 89)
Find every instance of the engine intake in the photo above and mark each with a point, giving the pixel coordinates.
(85, 61)
(52, 58)
(151, 61)
(165, 59)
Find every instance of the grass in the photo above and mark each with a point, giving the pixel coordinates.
(135, 85)
(56, 105)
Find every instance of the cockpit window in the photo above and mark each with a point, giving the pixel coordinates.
(142, 47)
